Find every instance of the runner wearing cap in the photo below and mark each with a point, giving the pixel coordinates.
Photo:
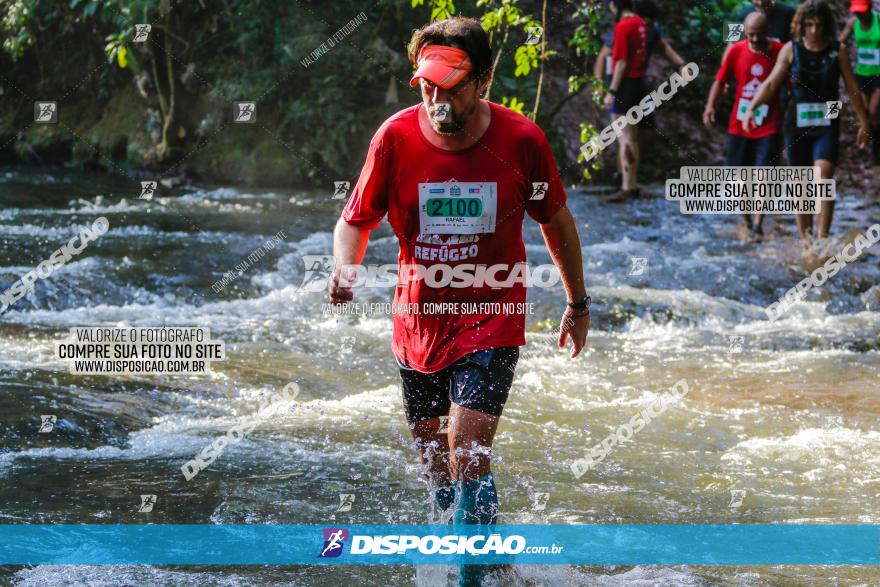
(627, 88)
(456, 148)
(816, 61)
(866, 25)
(749, 62)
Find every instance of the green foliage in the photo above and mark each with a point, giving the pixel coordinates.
(440, 9)
(513, 104)
(526, 58)
(588, 131)
(17, 23)
(322, 111)
(699, 29)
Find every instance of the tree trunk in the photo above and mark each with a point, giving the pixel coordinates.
(541, 73)
(169, 137)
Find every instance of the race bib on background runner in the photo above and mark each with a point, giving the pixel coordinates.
(812, 114)
(869, 56)
(609, 70)
(760, 113)
(451, 207)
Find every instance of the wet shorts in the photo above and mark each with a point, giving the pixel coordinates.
(745, 152)
(630, 93)
(478, 381)
(868, 84)
(804, 146)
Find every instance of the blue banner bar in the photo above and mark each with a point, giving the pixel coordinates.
(205, 544)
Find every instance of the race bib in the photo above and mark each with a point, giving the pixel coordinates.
(869, 56)
(760, 113)
(451, 207)
(812, 114)
(609, 70)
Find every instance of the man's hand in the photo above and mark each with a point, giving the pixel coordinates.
(339, 285)
(709, 117)
(609, 100)
(748, 122)
(574, 323)
(863, 138)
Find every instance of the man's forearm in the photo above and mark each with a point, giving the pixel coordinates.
(617, 78)
(714, 94)
(562, 240)
(672, 55)
(349, 243)
(599, 65)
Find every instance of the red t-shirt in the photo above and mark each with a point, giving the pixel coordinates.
(750, 69)
(631, 45)
(511, 155)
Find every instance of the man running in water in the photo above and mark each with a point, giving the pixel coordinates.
(778, 15)
(866, 26)
(749, 62)
(816, 60)
(626, 89)
(657, 43)
(456, 188)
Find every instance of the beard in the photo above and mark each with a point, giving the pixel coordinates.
(454, 122)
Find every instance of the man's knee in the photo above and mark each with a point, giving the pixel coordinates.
(470, 462)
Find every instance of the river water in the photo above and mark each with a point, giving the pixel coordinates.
(786, 416)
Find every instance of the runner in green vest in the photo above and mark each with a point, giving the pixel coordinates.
(816, 62)
(865, 26)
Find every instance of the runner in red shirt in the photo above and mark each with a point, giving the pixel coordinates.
(456, 175)
(629, 60)
(749, 62)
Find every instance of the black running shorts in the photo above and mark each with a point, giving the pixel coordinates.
(478, 381)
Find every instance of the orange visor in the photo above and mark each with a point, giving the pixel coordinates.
(441, 65)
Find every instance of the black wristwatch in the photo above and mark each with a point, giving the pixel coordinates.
(612, 91)
(581, 304)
